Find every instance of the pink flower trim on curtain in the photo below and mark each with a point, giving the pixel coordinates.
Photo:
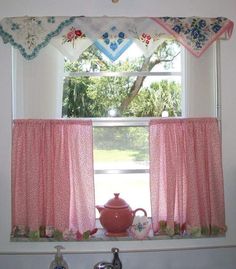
(186, 177)
(52, 175)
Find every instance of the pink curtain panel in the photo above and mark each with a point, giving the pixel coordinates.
(186, 175)
(52, 174)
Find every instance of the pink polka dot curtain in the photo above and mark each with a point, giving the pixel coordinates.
(186, 178)
(52, 174)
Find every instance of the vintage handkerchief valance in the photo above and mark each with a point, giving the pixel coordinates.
(196, 34)
(111, 35)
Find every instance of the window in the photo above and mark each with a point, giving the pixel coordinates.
(122, 106)
(121, 97)
(133, 86)
(121, 164)
(91, 80)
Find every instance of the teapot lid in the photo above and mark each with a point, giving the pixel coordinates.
(116, 202)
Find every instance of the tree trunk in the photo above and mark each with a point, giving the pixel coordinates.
(138, 83)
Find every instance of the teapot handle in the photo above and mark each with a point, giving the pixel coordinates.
(140, 209)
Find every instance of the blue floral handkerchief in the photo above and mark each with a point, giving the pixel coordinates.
(113, 43)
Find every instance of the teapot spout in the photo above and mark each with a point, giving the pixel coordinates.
(100, 208)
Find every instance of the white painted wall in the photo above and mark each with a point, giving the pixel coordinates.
(200, 87)
(38, 85)
(185, 258)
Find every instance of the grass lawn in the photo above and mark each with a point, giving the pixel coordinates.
(115, 155)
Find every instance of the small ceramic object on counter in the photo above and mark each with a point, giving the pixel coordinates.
(141, 227)
(116, 216)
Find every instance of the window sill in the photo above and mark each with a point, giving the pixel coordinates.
(101, 237)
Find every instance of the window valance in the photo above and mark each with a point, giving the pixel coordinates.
(111, 35)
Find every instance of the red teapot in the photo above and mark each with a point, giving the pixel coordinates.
(116, 216)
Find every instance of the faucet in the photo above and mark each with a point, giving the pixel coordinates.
(116, 259)
(103, 265)
(115, 264)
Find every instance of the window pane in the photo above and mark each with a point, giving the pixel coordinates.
(121, 165)
(129, 96)
(121, 148)
(174, 65)
(133, 188)
(132, 86)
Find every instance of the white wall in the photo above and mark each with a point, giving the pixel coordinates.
(38, 85)
(185, 258)
(200, 87)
